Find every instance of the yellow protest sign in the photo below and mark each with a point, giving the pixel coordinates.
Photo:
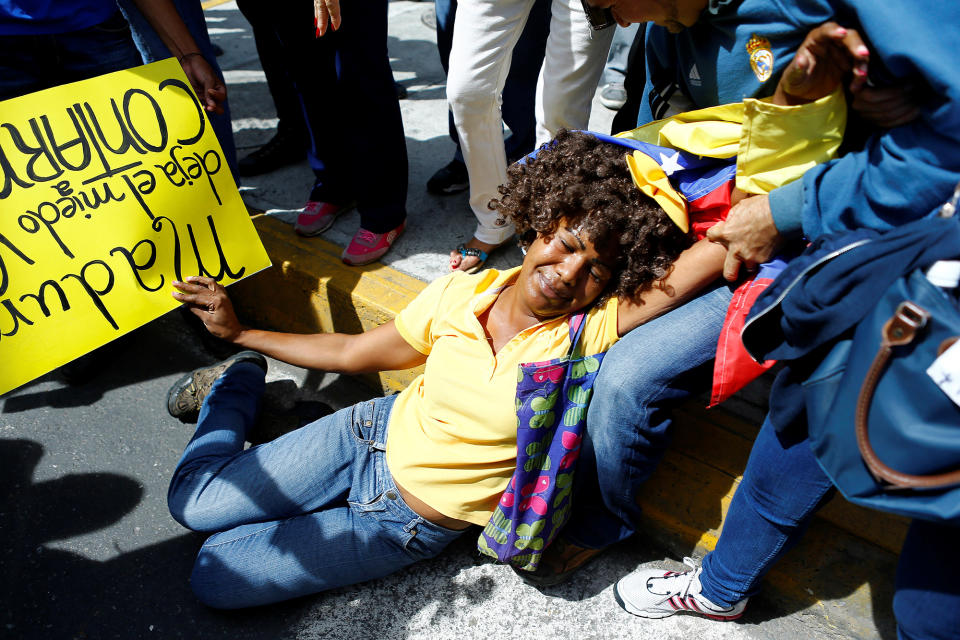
(110, 189)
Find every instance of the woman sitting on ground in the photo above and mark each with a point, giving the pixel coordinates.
(368, 490)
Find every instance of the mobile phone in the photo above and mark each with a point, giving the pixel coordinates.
(597, 17)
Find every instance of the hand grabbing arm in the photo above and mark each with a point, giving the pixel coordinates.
(827, 54)
(749, 235)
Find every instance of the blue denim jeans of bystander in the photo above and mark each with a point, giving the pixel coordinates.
(782, 487)
(629, 421)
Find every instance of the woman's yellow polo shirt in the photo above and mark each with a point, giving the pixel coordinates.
(452, 439)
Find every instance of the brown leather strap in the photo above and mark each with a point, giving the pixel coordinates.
(899, 330)
(946, 344)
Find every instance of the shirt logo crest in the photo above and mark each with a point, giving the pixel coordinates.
(761, 57)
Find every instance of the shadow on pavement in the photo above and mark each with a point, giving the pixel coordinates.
(160, 348)
(52, 593)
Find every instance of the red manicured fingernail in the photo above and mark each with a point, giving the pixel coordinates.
(317, 35)
(863, 51)
(841, 31)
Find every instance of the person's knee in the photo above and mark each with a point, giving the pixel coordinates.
(232, 572)
(187, 511)
(211, 582)
(605, 423)
(636, 366)
(183, 514)
(467, 98)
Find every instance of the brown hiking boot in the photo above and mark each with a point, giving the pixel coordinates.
(559, 562)
(186, 395)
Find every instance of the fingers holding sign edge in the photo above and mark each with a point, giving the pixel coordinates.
(196, 290)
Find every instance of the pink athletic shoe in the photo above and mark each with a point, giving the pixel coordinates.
(317, 217)
(367, 246)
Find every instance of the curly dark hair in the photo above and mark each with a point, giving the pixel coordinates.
(585, 181)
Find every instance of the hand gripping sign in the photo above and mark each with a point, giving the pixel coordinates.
(110, 189)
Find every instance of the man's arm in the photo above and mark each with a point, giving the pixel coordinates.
(693, 270)
(380, 349)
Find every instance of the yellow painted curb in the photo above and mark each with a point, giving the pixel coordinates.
(842, 571)
(309, 290)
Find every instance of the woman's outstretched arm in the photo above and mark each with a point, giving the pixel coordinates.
(380, 349)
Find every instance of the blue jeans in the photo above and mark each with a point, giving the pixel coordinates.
(782, 487)
(34, 62)
(629, 421)
(615, 70)
(312, 510)
(151, 49)
(926, 599)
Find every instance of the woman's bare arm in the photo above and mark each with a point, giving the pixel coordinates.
(694, 269)
(380, 349)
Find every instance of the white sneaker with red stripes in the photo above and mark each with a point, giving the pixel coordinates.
(655, 593)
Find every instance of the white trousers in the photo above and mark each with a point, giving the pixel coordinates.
(484, 35)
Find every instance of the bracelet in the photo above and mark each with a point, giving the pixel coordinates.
(187, 55)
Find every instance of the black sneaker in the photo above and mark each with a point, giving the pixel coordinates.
(283, 149)
(450, 179)
(186, 395)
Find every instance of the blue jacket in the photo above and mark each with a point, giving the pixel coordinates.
(827, 290)
(900, 174)
(835, 282)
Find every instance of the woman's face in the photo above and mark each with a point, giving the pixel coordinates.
(563, 272)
